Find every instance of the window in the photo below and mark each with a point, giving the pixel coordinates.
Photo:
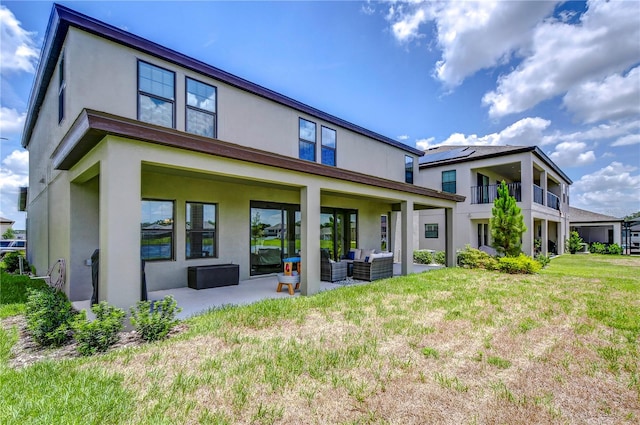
(431, 231)
(201, 108)
(408, 169)
(307, 139)
(449, 181)
(328, 146)
(62, 85)
(156, 95)
(156, 230)
(201, 230)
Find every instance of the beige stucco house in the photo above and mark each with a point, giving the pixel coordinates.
(142, 152)
(540, 187)
(595, 227)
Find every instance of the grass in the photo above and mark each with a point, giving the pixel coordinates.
(14, 291)
(468, 346)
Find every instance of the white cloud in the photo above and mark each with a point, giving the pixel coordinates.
(526, 132)
(615, 97)
(18, 51)
(14, 173)
(605, 41)
(630, 139)
(612, 190)
(403, 137)
(425, 144)
(572, 154)
(11, 121)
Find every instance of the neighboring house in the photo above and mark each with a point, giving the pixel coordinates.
(139, 150)
(5, 224)
(594, 227)
(541, 190)
(631, 236)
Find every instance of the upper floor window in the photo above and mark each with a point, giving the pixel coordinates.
(62, 85)
(408, 169)
(307, 139)
(156, 229)
(449, 181)
(200, 230)
(201, 108)
(156, 95)
(328, 146)
(431, 230)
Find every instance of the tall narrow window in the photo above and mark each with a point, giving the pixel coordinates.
(307, 139)
(156, 95)
(449, 181)
(201, 230)
(408, 169)
(62, 85)
(156, 230)
(328, 146)
(201, 108)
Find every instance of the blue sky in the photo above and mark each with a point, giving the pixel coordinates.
(563, 76)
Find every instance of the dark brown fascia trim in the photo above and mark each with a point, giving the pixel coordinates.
(92, 126)
(534, 149)
(62, 17)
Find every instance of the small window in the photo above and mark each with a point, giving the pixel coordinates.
(431, 231)
(307, 139)
(156, 229)
(62, 85)
(328, 146)
(156, 95)
(408, 169)
(201, 108)
(449, 181)
(201, 230)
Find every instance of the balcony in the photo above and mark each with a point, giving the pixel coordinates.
(538, 195)
(487, 194)
(553, 201)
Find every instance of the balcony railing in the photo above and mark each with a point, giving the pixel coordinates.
(487, 194)
(553, 201)
(538, 195)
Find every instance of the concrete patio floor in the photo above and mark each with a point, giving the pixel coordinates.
(194, 302)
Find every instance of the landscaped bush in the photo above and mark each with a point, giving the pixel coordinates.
(101, 333)
(574, 243)
(440, 258)
(614, 249)
(598, 248)
(12, 262)
(153, 322)
(422, 256)
(49, 313)
(472, 258)
(543, 260)
(521, 264)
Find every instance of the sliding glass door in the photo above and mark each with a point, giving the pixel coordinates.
(275, 234)
(338, 231)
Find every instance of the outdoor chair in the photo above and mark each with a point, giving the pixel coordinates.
(55, 276)
(379, 266)
(331, 271)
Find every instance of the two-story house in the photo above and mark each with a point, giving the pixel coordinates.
(539, 186)
(144, 153)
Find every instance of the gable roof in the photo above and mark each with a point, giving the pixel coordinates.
(6, 220)
(62, 18)
(447, 155)
(577, 215)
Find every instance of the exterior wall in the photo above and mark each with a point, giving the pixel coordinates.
(431, 217)
(242, 118)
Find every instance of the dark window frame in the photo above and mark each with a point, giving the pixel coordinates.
(62, 86)
(172, 256)
(429, 232)
(302, 140)
(408, 169)
(324, 147)
(188, 107)
(155, 96)
(449, 186)
(191, 231)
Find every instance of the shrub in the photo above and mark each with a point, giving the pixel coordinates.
(153, 322)
(598, 248)
(49, 313)
(472, 258)
(440, 258)
(12, 262)
(615, 249)
(521, 264)
(543, 260)
(574, 243)
(101, 333)
(422, 256)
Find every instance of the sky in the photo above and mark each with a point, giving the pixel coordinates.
(564, 76)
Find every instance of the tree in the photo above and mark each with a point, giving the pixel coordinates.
(574, 243)
(9, 234)
(507, 223)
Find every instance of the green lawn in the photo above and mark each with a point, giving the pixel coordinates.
(448, 346)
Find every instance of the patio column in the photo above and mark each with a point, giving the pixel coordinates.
(406, 210)
(450, 251)
(120, 176)
(310, 239)
(544, 237)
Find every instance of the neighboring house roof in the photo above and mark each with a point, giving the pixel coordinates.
(60, 20)
(6, 220)
(577, 215)
(446, 155)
